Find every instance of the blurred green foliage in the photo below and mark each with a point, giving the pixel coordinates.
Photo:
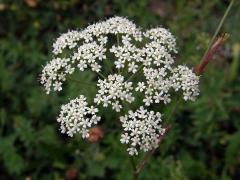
(204, 140)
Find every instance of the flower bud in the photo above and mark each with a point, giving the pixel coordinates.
(95, 134)
(71, 173)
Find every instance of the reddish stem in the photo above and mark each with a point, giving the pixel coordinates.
(211, 52)
(142, 163)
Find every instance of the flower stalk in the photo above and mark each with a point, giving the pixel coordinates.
(138, 168)
(214, 49)
(215, 43)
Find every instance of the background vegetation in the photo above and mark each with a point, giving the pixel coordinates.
(204, 140)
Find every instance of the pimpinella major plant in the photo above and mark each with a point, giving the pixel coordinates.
(130, 64)
(148, 55)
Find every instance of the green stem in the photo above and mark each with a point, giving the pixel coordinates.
(118, 44)
(218, 28)
(109, 65)
(132, 162)
(139, 70)
(135, 174)
(118, 40)
(100, 74)
(143, 162)
(169, 116)
(74, 80)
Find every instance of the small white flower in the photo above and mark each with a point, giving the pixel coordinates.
(183, 78)
(119, 64)
(76, 117)
(132, 67)
(96, 67)
(148, 100)
(116, 106)
(125, 138)
(57, 86)
(67, 40)
(140, 87)
(163, 37)
(132, 151)
(113, 90)
(54, 73)
(142, 130)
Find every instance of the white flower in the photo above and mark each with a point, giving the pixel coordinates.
(140, 87)
(142, 130)
(132, 151)
(76, 117)
(125, 138)
(57, 86)
(55, 72)
(132, 67)
(113, 90)
(162, 36)
(148, 56)
(119, 64)
(115, 25)
(157, 86)
(95, 67)
(89, 54)
(183, 78)
(116, 106)
(160, 81)
(68, 39)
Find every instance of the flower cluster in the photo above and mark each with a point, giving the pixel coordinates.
(89, 54)
(142, 130)
(157, 55)
(148, 55)
(127, 54)
(158, 84)
(54, 73)
(183, 78)
(163, 37)
(68, 39)
(115, 25)
(113, 90)
(77, 117)
(156, 88)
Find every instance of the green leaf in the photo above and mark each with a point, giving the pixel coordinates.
(24, 130)
(12, 160)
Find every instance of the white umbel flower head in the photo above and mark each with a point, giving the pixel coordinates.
(142, 130)
(54, 73)
(129, 53)
(157, 86)
(77, 117)
(162, 36)
(113, 91)
(183, 78)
